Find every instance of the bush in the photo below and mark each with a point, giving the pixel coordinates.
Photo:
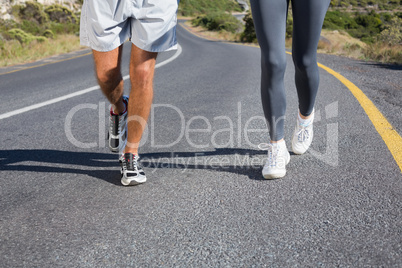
(335, 20)
(20, 35)
(192, 7)
(6, 25)
(362, 26)
(2, 42)
(368, 27)
(384, 53)
(63, 28)
(289, 27)
(248, 34)
(392, 34)
(37, 21)
(218, 21)
(23, 37)
(32, 11)
(61, 14)
(48, 34)
(31, 27)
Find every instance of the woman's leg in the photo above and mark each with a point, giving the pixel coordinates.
(308, 17)
(270, 25)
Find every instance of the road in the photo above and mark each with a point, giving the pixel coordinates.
(205, 203)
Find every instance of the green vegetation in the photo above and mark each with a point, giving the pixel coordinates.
(35, 19)
(12, 52)
(248, 35)
(218, 21)
(41, 31)
(376, 26)
(381, 32)
(34, 24)
(196, 7)
(364, 26)
(23, 37)
(380, 4)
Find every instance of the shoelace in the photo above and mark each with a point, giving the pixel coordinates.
(115, 120)
(303, 133)
(132, 164)
(273, 151)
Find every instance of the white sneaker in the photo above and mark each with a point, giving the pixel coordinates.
(302, 136)
(131, 171)
(278, 158)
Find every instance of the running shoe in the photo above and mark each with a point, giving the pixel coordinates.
(131, 172)
(118, 129)
(278, 158)
(302, 136)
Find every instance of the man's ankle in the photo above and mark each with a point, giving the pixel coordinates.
(119, 108)
(134, 152)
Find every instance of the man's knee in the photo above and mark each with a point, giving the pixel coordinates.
(143, 74)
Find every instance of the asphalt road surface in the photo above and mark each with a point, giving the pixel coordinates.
(205, 202)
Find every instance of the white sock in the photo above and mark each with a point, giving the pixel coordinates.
(305, 122)
(279, 143)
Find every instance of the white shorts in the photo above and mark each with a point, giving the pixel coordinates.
(149, 24)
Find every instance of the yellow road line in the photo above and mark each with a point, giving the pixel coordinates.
(47, 63)
(390, 136)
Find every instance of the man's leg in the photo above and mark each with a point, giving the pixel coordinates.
(107, 68)
(142, 66)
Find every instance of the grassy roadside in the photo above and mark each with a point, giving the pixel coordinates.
(334, 42)
(15, 53)
(337, 43)
(31, 31)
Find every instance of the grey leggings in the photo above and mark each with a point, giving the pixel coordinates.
(270, 24)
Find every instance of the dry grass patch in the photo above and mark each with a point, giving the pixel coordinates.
(341, 43)
(217, 35)
(13, 52)
(384, 53)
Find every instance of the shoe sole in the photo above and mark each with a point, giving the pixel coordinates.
(274, 176)
(131, 182)
(299, 152)
(279, 174)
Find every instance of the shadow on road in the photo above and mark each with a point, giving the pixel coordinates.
(232, 160)
(53, 161)
(389, 66)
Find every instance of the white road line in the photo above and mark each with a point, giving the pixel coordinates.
(78, 93)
